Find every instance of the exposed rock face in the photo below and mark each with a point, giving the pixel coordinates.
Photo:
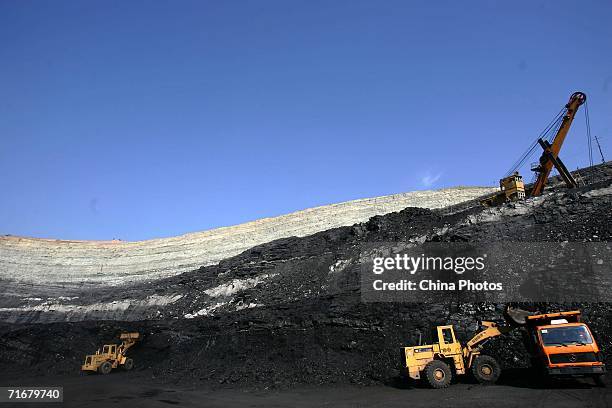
(57, 263)
(294, 268)
(291, 310)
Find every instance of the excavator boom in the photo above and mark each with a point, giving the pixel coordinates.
(512, 187)
(550, 156)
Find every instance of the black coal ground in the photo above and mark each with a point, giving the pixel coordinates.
(515, 388)
(312, 327)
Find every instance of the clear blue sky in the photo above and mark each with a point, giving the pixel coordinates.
(143, 119)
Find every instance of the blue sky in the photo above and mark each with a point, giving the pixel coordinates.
(145, 119)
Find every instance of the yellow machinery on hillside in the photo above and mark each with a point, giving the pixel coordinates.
(112, 356)
(436, 362)
(512, 187)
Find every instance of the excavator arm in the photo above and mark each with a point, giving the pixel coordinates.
(550, 156)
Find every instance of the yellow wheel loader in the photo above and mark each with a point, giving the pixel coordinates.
(112, 356)
(438, 362)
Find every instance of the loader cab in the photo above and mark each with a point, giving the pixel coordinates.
(442, 335)
(109, 349)
(446, 338)
(446, 335)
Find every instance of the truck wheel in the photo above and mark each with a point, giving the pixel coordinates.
(105, 368)
(129, 364)
(598, 379)
(438, 374)
(486, 369)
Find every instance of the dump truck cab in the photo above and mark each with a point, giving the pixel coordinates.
(565, 346)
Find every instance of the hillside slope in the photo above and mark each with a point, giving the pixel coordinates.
(290, 311)
(73, 264)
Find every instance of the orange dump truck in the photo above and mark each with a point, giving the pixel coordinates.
(564, 346)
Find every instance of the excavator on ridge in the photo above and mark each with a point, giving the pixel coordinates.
(512, 187)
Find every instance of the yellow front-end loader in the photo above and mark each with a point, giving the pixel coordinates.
(438, 362)
(112, 356)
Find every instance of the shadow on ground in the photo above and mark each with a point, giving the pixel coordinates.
(513, 377)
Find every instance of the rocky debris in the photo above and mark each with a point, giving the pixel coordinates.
(290, 311)
(320, 342)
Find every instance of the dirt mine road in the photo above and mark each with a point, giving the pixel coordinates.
(517, 389)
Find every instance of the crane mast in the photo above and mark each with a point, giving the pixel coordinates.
(550, 156)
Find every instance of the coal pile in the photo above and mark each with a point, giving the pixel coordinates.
(290, 311)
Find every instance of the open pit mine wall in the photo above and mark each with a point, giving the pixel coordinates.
(56, 263)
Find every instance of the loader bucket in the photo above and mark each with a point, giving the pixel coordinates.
(516, 316)
(131, 336)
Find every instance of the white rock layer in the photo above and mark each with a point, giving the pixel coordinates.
(72, 263)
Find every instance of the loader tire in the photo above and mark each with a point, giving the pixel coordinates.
(486, 369)
(105, 368)
(438, 374)
(129, 364)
